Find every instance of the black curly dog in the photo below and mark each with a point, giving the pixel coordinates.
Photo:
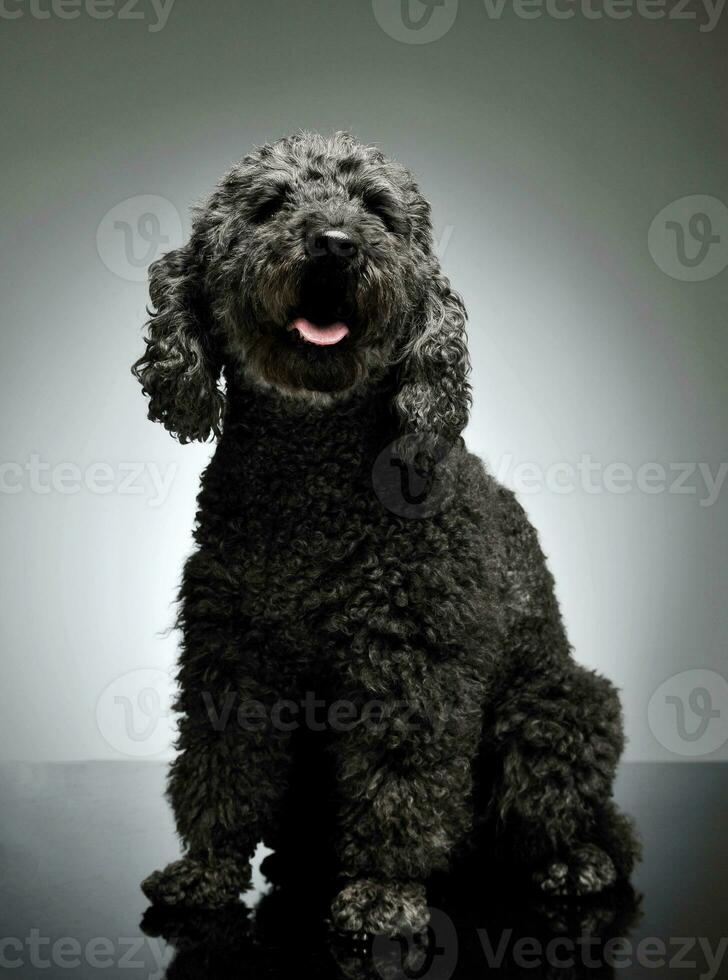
(369, 627)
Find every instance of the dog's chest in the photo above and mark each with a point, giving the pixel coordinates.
(297, 535)
(319, 562)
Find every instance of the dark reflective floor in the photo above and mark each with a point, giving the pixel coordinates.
(77, 839)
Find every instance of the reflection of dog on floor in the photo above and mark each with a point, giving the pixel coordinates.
(349, 545)
(470, 935)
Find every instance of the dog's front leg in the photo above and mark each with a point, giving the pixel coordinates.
(224, 787)
(405, 779)
(227, 781)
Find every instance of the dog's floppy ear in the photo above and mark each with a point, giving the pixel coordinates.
(433, 396)
(180, 368)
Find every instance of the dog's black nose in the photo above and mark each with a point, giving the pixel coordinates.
(332, 243)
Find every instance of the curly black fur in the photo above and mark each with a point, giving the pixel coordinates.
(467, 721)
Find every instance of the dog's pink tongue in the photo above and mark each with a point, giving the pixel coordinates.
(332, 333)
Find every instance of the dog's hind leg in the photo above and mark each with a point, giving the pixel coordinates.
(553, 735)
(557, 740)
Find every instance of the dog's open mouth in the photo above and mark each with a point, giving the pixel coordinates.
(322, 335)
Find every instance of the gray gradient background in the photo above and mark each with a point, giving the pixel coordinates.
(546, 147)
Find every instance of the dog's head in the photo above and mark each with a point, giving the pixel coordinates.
(310, 268)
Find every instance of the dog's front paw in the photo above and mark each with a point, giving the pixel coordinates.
(391, 908)
(195, 884)
(586, 870)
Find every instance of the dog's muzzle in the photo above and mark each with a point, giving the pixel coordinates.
(325, 315)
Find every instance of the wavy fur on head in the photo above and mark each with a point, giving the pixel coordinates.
(225, 299)
(350, 550)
